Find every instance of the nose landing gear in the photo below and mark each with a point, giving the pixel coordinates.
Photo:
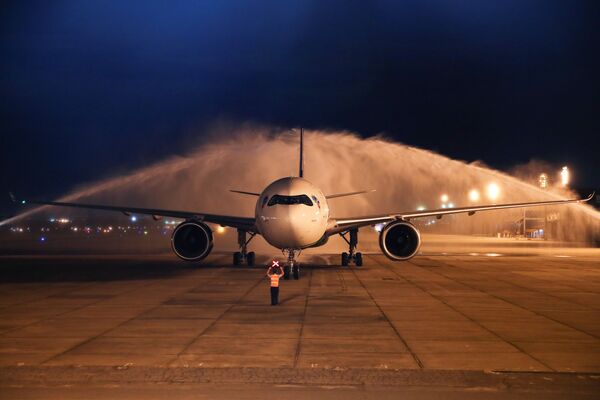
(242, 256)
(291, 267)
(352, 255)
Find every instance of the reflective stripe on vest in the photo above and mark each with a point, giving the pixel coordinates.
(274, 281)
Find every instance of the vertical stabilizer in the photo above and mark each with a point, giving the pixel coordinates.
(301, 168)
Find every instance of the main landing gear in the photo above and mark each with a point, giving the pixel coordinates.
(239, 257)
(291, 267)
(351, 256)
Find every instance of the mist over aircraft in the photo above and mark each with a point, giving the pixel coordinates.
(293, 214)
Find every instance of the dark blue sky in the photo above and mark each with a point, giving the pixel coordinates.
(90, 88)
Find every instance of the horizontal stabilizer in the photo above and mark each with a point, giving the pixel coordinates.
(243, 192)
(333, 196)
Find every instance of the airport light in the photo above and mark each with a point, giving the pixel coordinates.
(493, 191)
(450, 205)
(474, 195)
(564, 176)
(444, 198)
(421, 208)
(543, 181)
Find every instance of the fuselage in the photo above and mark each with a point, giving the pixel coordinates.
(292, 213)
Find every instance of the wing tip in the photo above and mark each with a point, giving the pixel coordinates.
(14, 199)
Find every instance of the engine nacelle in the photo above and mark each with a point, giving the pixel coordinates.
(399, 240)
(192, 240)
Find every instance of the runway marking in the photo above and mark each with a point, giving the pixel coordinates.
(404, 342)
(440, 299)
(214, 322)
(299, 346)
(513, 303)
(88, 340)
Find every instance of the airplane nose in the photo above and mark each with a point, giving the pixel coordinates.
(300, 222)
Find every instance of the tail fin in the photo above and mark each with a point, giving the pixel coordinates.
(301, 168)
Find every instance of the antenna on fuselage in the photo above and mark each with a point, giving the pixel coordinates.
(301, 169)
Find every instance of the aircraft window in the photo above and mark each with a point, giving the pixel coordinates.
(288, 200)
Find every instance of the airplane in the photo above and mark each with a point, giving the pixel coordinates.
(293, 214)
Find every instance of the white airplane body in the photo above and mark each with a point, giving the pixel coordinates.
(292, 226)
(293, 214)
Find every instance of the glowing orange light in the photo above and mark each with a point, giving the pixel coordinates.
(474, 195)
(493, 191)
(564, 176)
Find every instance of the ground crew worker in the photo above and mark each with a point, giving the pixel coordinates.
(274, 273)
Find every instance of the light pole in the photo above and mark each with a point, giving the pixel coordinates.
(543, 181)
(564, 176)
(493, 192)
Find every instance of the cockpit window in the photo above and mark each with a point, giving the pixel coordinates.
(288, 200)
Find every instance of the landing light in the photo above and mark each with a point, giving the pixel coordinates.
(133, 218)
(220, 229)
(444, 198)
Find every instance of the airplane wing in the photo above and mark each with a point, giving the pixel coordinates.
(342, 224)
(224, 220)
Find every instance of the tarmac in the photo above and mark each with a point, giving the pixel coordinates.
(500, 322)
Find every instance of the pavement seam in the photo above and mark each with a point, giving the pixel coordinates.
(340, 275)
(298, 347)
(465, 315)
(404, 342)
(511, 302)
(52, 295)
(73, 310)
(213, 323)
(108, 330)
(534, 290)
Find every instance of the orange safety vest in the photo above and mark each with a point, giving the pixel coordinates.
(274, 280)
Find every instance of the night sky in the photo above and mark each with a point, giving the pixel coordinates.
(92, 88)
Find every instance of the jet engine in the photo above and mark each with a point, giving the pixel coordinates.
(399, 240)
(192, 240)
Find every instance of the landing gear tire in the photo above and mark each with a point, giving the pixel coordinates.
(250, 258)
(237, 258)
(358, 259)
(345, 259)
(286, 272)
(296, 271)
